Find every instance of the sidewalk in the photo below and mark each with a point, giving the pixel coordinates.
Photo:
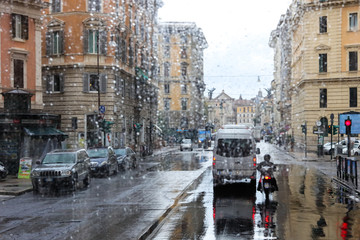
(324, 164)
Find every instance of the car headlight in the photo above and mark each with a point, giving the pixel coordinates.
(35, 174)
(66, 173)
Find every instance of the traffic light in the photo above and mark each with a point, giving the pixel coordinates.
(335, 129)
(303, 128)
(137, 126)
(107, 126)
(348, 125)
(329, 129)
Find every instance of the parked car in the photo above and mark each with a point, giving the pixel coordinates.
(62, 168)
(126, 158)
(103, 161)
(186, 144)
(3, 171)
(328, 149)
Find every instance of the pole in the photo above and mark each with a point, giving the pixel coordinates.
(305, 141)
(331, 140)
(98, 66)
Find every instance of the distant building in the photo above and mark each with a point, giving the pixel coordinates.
(221, 110)
(181, 84)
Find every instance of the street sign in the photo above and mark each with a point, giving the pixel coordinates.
(102, 109)
(318, 132)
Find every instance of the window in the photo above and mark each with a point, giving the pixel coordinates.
(167, 104)
(353, 22)
(18, 73)
(323, 24)
(90, 41)
(167, 52)
(56, 6)
(353, 61)
(184, 102)
(183, 53)
(167, 38)
(19, 26)
(184, 69)
(166, 88)
(55, 43)
(167, 69)
(55, 83)
(90, 83)
(323, 98)
(183, 39)
(353, 97)
(94, 5)
(323, 62)
(183, 89)
(131, 53)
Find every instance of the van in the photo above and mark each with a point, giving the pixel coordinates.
(234, 156)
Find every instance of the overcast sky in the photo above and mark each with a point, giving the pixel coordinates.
(237, 32)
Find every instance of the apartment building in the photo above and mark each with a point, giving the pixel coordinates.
(324, 65)
(181, 84)
(99, 64)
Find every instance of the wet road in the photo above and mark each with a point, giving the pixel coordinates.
(118, 207)
(307, 206)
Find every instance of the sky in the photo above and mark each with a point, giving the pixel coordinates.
(238, 59)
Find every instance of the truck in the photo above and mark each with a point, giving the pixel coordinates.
(234, 156)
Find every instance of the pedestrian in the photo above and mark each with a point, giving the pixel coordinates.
(82, 141)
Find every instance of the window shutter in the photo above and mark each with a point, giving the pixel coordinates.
(86, 41)
(61, 41)
(48, 84)
(117, 84)
(103, 42)
(103, 83)
(13, 25)
(61, 76)
(86, 84)
(48, 43)
(25, 27)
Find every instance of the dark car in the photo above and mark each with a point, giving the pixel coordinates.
(126, 158)
(62, 168)
(3, 171)
(103, 161)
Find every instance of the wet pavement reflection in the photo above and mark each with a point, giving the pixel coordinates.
(307, 206)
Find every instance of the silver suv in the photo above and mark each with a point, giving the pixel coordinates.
(62, 168)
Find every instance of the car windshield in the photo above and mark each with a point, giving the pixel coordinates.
(186, 141)
(120, 152)
(234, 147)
(59, 158)
(97, 153)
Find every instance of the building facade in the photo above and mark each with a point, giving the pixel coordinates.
(25, 131)
(99, 64)
(324, 65)
(181, 84)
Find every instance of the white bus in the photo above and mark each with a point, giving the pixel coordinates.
(234, 156)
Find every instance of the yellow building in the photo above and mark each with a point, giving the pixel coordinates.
(324, 70)
(181, 76)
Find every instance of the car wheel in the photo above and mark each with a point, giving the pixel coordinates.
(87, 180)
(74, 182)
(356, 154)
(35, 188)
(134, 165)
(116, 169)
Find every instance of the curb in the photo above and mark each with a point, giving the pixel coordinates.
(167, 212)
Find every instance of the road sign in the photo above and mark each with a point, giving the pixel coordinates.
(102, 109)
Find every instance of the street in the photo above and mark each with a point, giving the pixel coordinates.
(175, 199)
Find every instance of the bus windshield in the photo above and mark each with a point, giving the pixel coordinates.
(234, 147)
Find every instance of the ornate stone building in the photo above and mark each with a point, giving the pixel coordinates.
(99, 64)
(181, 84)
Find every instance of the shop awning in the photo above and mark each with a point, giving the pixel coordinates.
(46, 131)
